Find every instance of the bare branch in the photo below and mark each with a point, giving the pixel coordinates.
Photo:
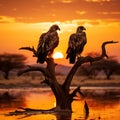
(32, 49)
(32, 68)
(29, 111)
(82, 60)
(86, 108)
(73, 94)
(103, 47)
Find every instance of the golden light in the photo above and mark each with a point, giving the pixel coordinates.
(57, 55)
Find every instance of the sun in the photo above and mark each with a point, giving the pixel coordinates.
(57, 55)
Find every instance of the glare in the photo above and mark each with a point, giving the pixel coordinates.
(57, 55)
(54, 104)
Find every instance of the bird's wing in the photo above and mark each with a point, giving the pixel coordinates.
(52, 41)
(76, 42)
(80, 43)
(72, 41)
(47, 42)
(82, 38)
(40, 47)
(71, 55)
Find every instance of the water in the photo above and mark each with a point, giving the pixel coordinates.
(103, 102)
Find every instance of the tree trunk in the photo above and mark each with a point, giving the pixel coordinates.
(6, 76)
(108, 73)
(63, 99)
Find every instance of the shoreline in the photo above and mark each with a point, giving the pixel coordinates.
(27, 82)
(12, 86)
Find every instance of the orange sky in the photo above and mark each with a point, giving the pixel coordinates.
(23, 21)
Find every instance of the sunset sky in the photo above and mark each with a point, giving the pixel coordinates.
(23, 21)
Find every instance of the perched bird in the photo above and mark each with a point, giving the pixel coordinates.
(47, 43)
(76, 44)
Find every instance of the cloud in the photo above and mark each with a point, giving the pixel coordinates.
(66, 23)
(29, 11)
(95, 23)
(110, 13)
(66, 1)
(5, 19)
(98, 0)
(81, 12)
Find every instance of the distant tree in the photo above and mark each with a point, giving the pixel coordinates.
(118, 71)
(108, 66)
(9, 62)
(87, 70)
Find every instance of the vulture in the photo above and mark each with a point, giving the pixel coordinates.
(76, 44)
(47, 43)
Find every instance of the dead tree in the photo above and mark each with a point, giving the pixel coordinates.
(62, 91)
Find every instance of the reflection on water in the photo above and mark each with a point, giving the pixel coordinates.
(104, 104)
(9, 101)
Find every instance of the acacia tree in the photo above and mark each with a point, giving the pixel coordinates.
(64, 97)
(109, 67)
(9, 62)
(87, 70)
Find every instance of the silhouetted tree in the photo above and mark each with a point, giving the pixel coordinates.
(9, 62)
(64, 97)
(118, 70)
(87, 70)
(109, 66)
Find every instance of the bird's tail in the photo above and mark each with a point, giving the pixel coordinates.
(71, 55)
(41, 58)
(72, 59)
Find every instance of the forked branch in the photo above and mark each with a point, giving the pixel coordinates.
(32, 49)
(82, 60)
(73, 94)
(103, 47)
(32, 68)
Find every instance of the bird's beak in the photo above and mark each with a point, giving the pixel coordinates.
(84, 28)
(58, 28)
